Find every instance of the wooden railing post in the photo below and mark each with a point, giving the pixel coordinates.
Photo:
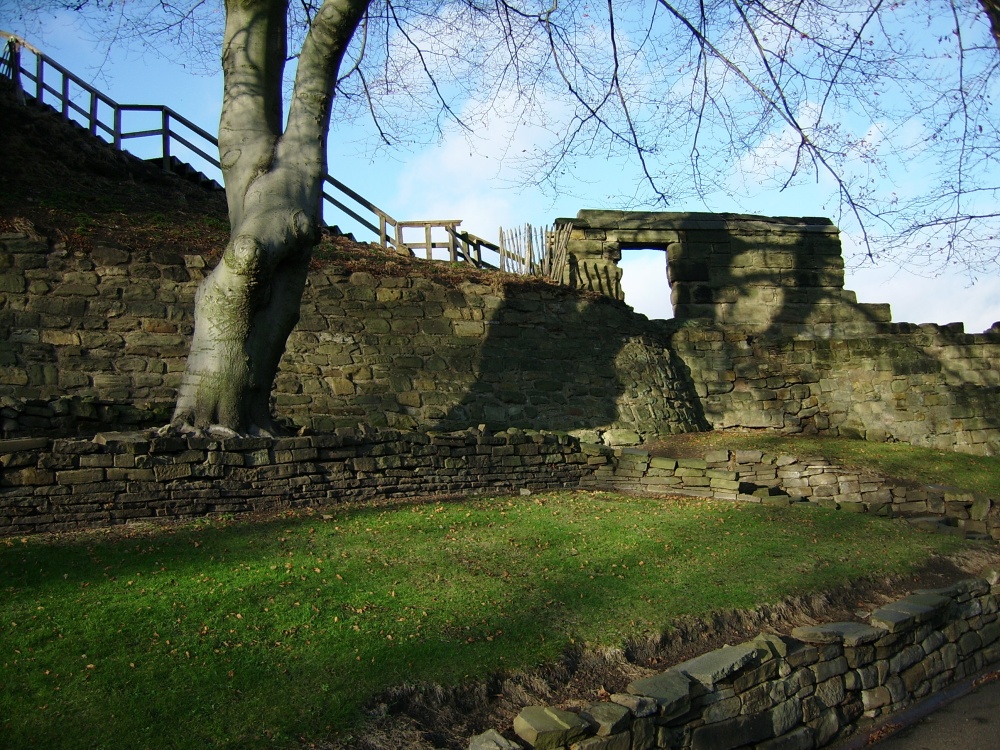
(166, 139)
(40, 80)
(94, 112)
(14, 46)
(65, 96)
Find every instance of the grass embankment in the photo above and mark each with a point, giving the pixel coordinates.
(242, 634)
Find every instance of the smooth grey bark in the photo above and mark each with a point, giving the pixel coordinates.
(247, 307)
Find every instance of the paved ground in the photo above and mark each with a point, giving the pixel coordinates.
(971, 722)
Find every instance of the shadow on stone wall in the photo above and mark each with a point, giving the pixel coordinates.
(801, 354)
(578, 364)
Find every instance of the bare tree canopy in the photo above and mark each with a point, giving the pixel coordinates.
(710, 98)
(704, 98)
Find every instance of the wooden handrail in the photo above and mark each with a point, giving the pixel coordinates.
(461, 246)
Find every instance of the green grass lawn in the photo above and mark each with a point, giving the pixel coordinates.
(255, 634)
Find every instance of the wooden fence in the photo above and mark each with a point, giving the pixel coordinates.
(48, 82)
(535, 251)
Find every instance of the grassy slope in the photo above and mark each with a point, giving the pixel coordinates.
(236, 634)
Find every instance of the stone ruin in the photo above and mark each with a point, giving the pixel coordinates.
(764, 337)
(729, 269)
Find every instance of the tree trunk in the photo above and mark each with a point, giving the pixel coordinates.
(244, 312)
(247, 307)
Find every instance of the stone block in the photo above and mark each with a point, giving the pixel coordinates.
(670, 689)
(80, 476)
(639, 705)
(850, 634)
(19, 445)
(621, 741)
(892, 620)
(830, 664)
(722, 710)
(27, 477)
(643, 734)
(607, 718)
(800, 738)
(724, 663)
(733, 733)
(692, 463)
(546, 728)
(169, 472)
(491, 739)
(659, 462)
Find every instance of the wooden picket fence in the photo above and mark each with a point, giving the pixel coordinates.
(535, 251)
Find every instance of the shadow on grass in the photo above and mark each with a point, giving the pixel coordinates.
(253, 635)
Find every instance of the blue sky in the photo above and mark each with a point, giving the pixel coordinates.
(477, 182)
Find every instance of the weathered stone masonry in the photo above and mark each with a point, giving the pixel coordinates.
(62, 484)
(927, 385)
(96, 339)
(758, 477)
(745, 271)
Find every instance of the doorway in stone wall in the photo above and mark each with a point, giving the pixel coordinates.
(645, 282)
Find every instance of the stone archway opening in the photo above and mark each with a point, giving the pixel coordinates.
(645, 281)
(752, 271)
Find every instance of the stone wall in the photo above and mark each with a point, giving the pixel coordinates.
(412, 353)
(96, 339)
(91, 338)
(787, 693)
(116, 478)
(755, 476)
(927, 385)
(759, 272)
(58, 484)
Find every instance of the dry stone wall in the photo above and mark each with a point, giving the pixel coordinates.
(97, 339)
(755, 476)
(90, 338)
(797, 692)
(411, 353)
(116, 478)
(927, 385)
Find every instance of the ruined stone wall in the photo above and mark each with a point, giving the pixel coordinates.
(927, 385)
(91, 338)
(764, 272)
(62, 484)
(97, 339)
(411, 353)
(757, 477)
